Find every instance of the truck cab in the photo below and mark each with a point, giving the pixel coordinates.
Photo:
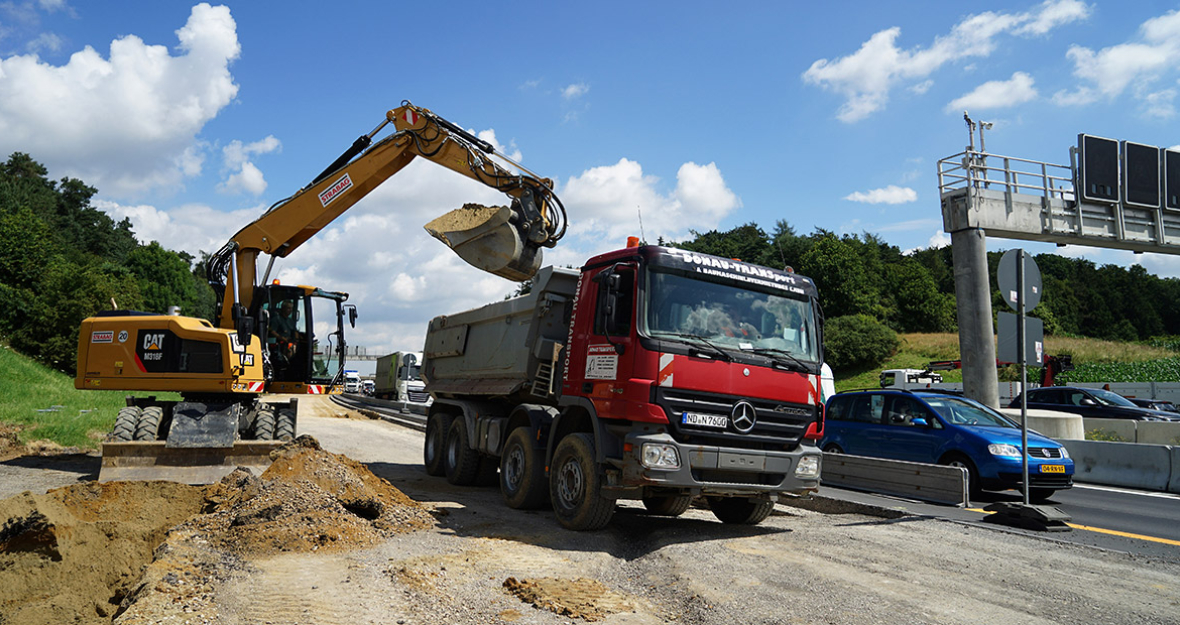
(654, 373)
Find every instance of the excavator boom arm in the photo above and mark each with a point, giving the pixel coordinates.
(498, 240)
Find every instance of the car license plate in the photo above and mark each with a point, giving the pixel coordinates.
(1052, 468)
(704, 420)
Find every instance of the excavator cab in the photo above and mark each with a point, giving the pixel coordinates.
(302, 328)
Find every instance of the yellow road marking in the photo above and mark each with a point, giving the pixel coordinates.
(1154, 539)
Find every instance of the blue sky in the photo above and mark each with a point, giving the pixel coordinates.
(191, 119)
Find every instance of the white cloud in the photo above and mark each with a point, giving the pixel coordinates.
(192, 228)
(892, 194)
(575, 91)
(610, 200)
(45, 42)
(997, 94)
(1132, 65)
(246, 177)
(126, 123)
(866, 77)
(938, 240)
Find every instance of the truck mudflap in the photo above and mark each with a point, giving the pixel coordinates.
(154, 460)
(710, 470)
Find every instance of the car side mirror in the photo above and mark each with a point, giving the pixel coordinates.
(1086, 401)
(920, 421)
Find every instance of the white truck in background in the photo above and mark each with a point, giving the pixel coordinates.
(352, 381)
(398, 378)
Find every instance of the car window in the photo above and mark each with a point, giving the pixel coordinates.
(903, 410)
(962, 412)
(838, 409)
(1045, 396)
(866, 409)
(1111, 399)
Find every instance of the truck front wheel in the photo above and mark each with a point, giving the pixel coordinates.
(522, 472)
(460, 460)
(575, 487)
(740, 510)
(434, 448)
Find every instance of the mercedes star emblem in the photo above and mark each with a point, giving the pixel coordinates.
(743, 416)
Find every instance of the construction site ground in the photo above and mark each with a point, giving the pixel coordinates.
(346, 527)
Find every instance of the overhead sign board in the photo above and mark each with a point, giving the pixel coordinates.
(1141, 175)
(1098, 169)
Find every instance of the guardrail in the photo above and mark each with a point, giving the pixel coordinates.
(928, 482)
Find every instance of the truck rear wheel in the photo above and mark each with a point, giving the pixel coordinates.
(460, 460)
(148, 428)
(575, 487)
(433, 450)
(668, 505)
(522, 472)
(125, 424)
(740, 510)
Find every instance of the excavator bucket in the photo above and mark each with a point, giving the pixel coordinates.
(143, 460)
(488, 238)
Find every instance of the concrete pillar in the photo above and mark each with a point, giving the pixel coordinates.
(977, 344)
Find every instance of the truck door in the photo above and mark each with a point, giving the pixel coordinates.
(609, 363)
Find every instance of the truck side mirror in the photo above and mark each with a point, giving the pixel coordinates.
(351, 315)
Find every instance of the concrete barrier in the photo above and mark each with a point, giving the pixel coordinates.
(1174, 483)
(1125, 429)
(1056, 425)
(1158, 433)
(928, 482)
(1133, 465)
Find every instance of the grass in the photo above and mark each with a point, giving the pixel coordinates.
(918, 350)
(46, 406)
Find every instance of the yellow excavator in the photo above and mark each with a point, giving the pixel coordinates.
(263, 340)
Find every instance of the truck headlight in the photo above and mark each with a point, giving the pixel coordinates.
(1011, 451)
(808, 467)
(660, 456)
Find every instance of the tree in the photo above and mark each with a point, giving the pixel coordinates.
(165, 278)
(839, 275)
(918, 306)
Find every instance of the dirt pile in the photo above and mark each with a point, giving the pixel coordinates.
(308, 500)
(73, 554)
(84, 554)
(582, 598)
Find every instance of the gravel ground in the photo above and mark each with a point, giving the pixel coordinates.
(485, 563)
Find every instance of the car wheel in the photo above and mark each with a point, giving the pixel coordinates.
(964, 462)
(833, 448)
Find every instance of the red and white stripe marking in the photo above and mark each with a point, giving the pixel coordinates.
(665, 376)
(411, 117)
(256, 387)
(315, 389)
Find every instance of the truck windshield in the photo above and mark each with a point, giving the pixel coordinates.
(732, 316)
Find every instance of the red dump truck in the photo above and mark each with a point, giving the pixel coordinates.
(653, 374)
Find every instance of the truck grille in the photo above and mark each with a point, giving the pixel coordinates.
(778, 424)
(418, 397)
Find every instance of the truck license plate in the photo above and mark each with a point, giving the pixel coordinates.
(705, 420)
(1052, 468)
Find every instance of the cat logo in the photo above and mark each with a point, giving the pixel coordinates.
(153, 342)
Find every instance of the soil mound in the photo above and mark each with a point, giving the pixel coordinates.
(73, 554)
(308, 499)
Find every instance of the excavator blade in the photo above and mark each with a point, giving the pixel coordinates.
(142, 460)
(487, 239)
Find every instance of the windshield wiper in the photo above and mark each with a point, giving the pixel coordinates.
(717, 351)
(795, 364)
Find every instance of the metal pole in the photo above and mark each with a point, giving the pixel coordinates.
(1023, 372)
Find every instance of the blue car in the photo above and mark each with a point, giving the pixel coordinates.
(945, 429)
